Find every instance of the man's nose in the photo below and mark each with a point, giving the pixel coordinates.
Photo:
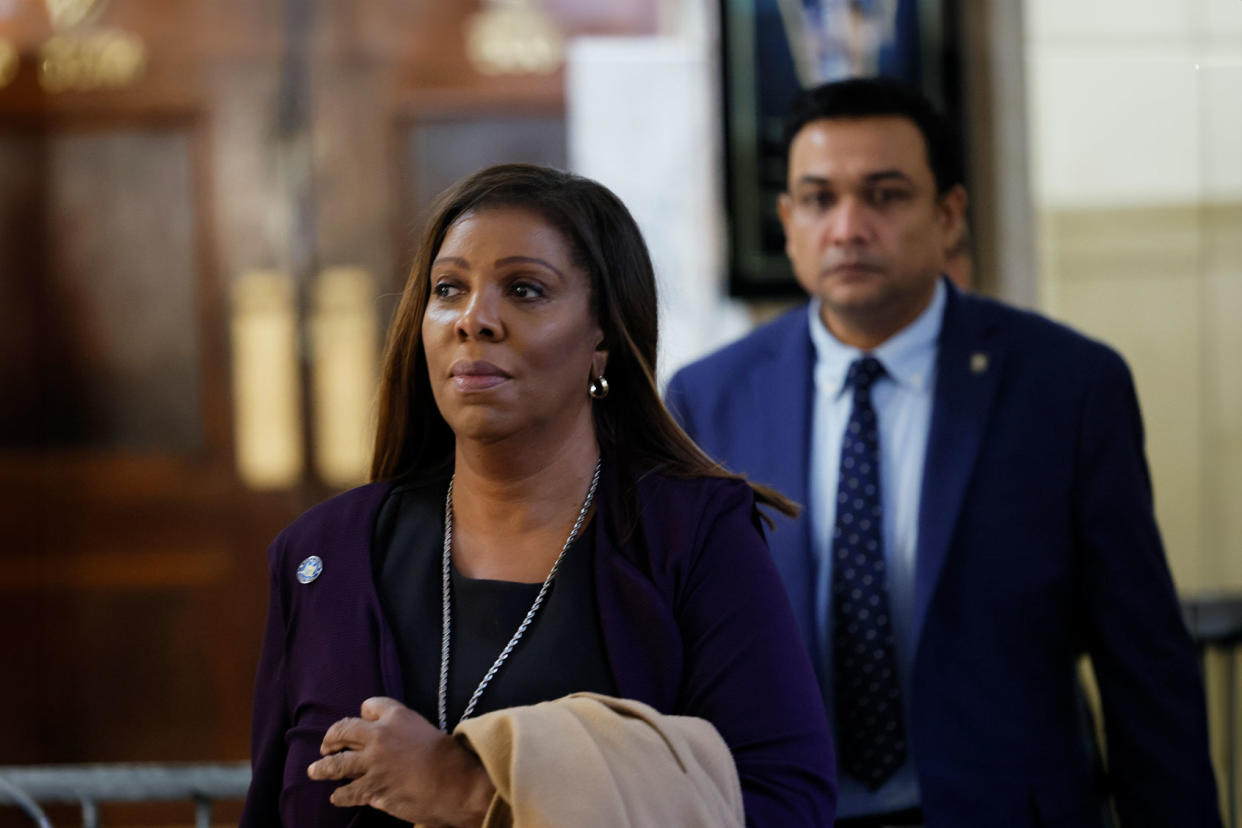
(847, 223)
(480, 317)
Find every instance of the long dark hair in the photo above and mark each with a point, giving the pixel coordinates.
(632, 426)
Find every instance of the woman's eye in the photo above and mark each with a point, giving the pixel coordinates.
(525, 290)
(442, 290)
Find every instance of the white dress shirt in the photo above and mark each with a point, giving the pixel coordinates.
(903, 403)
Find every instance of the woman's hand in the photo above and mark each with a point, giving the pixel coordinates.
(402, 765)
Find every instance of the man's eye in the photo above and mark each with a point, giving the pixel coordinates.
(882, 197)
(818, 200)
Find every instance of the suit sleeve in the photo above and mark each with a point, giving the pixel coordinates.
(1144, 660)
(746, 670)
(676, 400)
(270, 720)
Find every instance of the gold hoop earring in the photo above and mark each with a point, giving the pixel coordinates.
(598, 388)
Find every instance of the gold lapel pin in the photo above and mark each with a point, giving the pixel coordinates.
(978, 362)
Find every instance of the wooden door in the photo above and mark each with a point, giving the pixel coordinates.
(271, 136)
(131, 559)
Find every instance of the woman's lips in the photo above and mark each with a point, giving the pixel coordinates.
(477, 382)
(476, 375)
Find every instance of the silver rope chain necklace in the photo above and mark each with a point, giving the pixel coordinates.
(446, 602)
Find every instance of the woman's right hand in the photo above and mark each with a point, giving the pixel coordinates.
(403, 765)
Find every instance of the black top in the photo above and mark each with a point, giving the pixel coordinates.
(561, 652)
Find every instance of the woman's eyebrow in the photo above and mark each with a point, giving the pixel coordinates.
(454, 260)
(530, 260)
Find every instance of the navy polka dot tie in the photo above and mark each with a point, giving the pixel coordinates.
(871, 735)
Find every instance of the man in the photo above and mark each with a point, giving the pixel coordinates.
(978, 507)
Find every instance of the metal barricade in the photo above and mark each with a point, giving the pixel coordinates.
(89, 785)
(1215, 624)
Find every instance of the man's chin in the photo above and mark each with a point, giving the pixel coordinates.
(853, 292)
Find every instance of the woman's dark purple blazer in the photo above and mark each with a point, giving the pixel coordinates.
(695, 623)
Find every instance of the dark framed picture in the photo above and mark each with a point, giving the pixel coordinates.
(774, 47)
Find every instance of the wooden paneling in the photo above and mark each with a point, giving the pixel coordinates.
(133, 565)
(439, 148)
(105, 256)
(440, 151)
(293, 135)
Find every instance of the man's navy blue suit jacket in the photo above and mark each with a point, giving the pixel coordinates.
(1037, 542)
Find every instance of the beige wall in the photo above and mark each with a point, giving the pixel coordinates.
(1135, 123)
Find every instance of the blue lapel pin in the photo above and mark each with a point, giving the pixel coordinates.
(310, 569)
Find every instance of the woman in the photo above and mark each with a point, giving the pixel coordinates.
(539, 526)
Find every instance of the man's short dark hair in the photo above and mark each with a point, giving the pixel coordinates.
(880, 97)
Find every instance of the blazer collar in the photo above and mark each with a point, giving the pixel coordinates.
(633, 614)
(389, 660)
(782, 394)
(968, 373)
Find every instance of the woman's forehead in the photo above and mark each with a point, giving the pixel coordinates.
(504, 224)
(492, 232)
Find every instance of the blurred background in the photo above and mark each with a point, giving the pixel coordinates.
(208, 208)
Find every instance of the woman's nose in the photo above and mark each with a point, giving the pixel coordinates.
(480, 318)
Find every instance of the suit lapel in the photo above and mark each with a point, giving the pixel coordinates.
(968, 372)
(781, 395)
(386, 643)
(782, 389)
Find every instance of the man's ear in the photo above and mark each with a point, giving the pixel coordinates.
(952, 213)
(784, 207)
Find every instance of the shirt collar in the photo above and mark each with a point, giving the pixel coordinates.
(909, 356)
